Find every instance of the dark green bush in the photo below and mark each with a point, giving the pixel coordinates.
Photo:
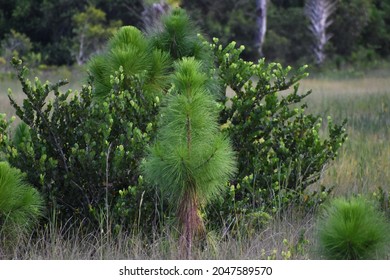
(79, 152)
(280, 151)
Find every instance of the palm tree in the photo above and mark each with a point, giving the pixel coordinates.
(191, 160)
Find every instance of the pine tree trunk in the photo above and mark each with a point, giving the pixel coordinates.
(189, 219)
(191, 223)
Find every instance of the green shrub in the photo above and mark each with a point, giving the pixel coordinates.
(20, 204)
(80, 152)
(4, 135)
(352, 229)
(280, 150)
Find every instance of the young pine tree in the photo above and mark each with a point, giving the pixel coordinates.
(352, 229)
(20, 204)
(191, 160)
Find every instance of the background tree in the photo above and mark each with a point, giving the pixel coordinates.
(376, 34)
(261, 20)
(15, 44)
(191, 160)
(92, 31)
(152, 14)
(48, 26)
(319, 13)
(350, 19)
(286, 30)
(128, 11)
(228, 20)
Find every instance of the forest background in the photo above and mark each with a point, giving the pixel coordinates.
(51, 32)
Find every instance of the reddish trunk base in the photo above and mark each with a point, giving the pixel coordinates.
(192, 227)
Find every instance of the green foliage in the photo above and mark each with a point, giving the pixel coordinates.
(50, 26)
(350, 19)
(16, 44)
(357, 23)
(179, 38)
(4, 135)
(80, 153)
(139, 208)
(280, 151)
(189, 145)
(287, 29)
(191, 160)
(376, 34)
(226, 19)
(130, 50)
(127, 11)
(20, 204)
(352, 229)
(91, 31)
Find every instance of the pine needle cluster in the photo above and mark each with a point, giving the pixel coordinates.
(132, 51)
(352, 229)
(148, 56)
(20, 204)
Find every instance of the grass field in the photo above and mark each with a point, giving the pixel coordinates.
(364, 161)
(363, 166)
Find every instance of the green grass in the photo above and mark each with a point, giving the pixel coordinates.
(363, 164)
(362, 167)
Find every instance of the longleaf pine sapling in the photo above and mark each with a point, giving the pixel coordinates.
(21, 205)
(191, 159)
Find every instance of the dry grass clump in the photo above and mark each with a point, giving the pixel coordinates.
(283, 238)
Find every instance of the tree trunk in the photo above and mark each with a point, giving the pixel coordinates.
(190, 222)
(261, 23)
(80, 55)
(319, 13)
